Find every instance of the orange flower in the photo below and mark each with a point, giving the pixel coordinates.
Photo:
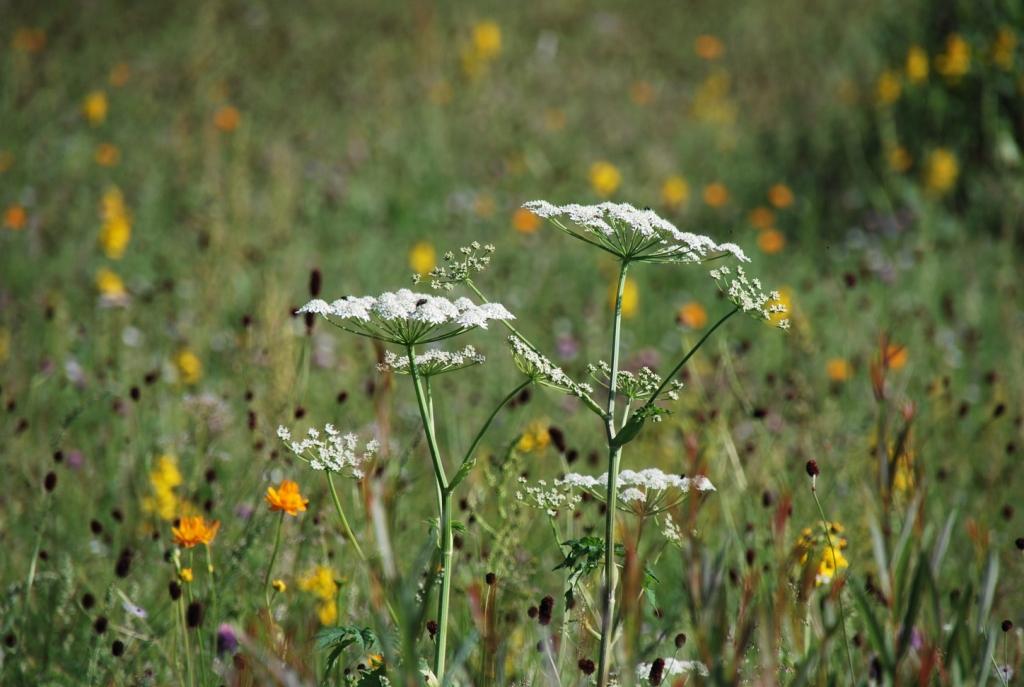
(692, 315)
(716, 195)
(286, 498)
(15, 217)
(525, 222)
(771, 241)
(708, 47)
(192, 531)
(29, 40)
(107, 155)
(838, 369)
(895, 356)
(761, 218)
(641, 93)
(780, 196)
(227, 118)
(120, 74)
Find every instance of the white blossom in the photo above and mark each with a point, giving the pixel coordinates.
(631, 232)
(749, 295)
(432, 362)
(333, 451)
(543, 371)
(648, 487)
(548, 499)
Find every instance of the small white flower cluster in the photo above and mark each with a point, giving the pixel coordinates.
(548, 499)
(643, 486)
(332, 451)
(432, 362)
(635, 232)
(673, 666)
(475, 258)
(408, 317)
(632, 385)
(543, 371)
(749, 295)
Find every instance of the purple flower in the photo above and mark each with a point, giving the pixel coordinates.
(75, 459)
(227, 641)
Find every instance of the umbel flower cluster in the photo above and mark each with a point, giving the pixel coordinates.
(331, 450)
(542, 371)
(432, 362)
(748, 295)
(647, 491)
(406, 317)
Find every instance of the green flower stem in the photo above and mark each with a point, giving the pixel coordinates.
(270, 566)
(342, 518)
(494, 413)
(428, 424)
(839, 596)
(614, 458)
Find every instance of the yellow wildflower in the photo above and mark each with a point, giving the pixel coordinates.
(917, 64)
(630, 297)
(279, 586)
(838, 369)
(887, 89)
(110, 286)
(955, 61)
(896, 356)
(1003, 48)
(604, 178)
(832, 560)
(903, 478)
(107, 155)
(941, 171)
(164, 478)
(785, 299)
(422, 257)
(525, 222)
(320, 582)
(327, 612)
(15, 217)
(186, 575)
(675, 191)
(486, 40)
(94, 107)
(375, 661)
(771, 241)
(116, 231)
(716, 195)
(189, 366)
(534, 438)
(899, 159)
(692, 315)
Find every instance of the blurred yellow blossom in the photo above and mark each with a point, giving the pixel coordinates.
(422, 257)
(190, 368)
(716, 194)
(941, 171)
(771, 241)
(903, 476)
(675, 191)
(107, 155)
(5, 344)
(15, 217)
(534, 438)
(319, 581)
(119, 74)
(604, 178)
(641, 93)
(110, 286)
(895, 356)
(29, 40)
(888, 87)
(525, 222)
(692, 315)
(554, 119)
(440, 92)
(955, 60)
(917, 64)
(831, 546)
(279, 586)
(116, 229)
(898, 158)
(487, 39)
(711, 102)
(186, 575)
(94, 107)
(780, 196)
(838, 369)
(708, 47)
(1003, 48)
(227, 118)
(630, 297)
(832, 560)
(164, 478)
(761, 218)
(484, 205)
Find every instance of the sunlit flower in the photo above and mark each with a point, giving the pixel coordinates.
(524, 221)
(331, 450)
(716, 194)
(119, 74)
(898, 158)
(487, 39)
(189, 366)
(896, 356)
(286, 498)
(227, 118)
(194, 530)
(780, 196)
(536, 437)
(630, 297)
(761, 218)
(692, 315)
(916, 64)
(888, 88)
(641, 93)
(94, 107)
(1004, 47)
(116, 230)
(279, 586)
(164, 478)
(831, 562)
(15, 217)
(186, 575)
(675, 191)
(604, 178)
(542, 371)
(433, 362)
(320, 582)
(107, 155)
(422, 257)
(110, 286)
(29, 40)
(708, 47)
(941, 171)
(955, 60)
(838, 369)
(771, 241)
(814, 540)
(749, 295)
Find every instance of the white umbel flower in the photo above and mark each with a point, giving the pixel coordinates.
(749, 295)
(432, 362)
(633, 233)
(646, 491)
(542, 371)
(406, 317)
(331, 451)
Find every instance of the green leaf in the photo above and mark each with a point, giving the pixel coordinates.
(913, 606)
(875, 634)
(336, 639)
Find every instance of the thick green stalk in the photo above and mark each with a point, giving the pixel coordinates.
(612, 495)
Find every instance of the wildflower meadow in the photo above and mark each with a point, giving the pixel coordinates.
(490, 344)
